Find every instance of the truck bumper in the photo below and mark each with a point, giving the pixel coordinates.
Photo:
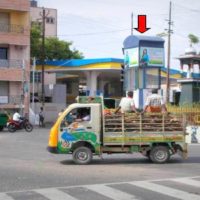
(52, 149)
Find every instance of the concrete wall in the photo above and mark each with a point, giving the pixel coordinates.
(19, 18)
(50, 78)
(22, 5)
(15, 89)
(51, 111)
(10, 74)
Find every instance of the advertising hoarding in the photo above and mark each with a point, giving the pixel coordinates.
(131, 58)
(150, 56)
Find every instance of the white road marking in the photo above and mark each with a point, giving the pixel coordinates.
(4, 196)
(111, 192)
(187, 181)
(115, 194)
(179, 194)
(111, 183)
(53, 194)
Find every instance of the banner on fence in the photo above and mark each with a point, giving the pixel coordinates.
(193, 134)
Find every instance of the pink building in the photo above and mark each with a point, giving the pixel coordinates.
(14, 54)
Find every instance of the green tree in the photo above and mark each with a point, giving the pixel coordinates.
(55, 49)
(193, 39)
(35, 41)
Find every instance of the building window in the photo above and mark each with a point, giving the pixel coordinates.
(37, 77)
(3, 53)
(4, 89)
(50, 20)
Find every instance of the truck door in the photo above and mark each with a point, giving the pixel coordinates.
(81, 123)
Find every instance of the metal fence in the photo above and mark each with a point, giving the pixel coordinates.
(191, 112)
(6, 28)
(10, 63)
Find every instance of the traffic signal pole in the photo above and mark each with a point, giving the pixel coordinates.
(122, 79)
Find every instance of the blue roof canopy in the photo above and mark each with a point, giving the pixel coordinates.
(138, 40)
(81, 62)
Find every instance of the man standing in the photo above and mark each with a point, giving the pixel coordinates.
(127, 104)
(155, 103)
(41, 117)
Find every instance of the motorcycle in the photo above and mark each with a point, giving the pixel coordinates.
(23, 124)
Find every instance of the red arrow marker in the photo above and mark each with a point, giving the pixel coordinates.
(142, 24)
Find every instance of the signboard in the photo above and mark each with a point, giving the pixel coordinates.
(131, 57)
(150, 56)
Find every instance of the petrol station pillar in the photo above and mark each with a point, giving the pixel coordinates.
(91, 82)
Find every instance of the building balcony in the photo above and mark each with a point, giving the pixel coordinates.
(11, 63)
(14, 34)
(19, 5)
(11, 28)
(11, 101)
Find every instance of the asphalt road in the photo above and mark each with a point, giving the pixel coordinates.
(28, 171)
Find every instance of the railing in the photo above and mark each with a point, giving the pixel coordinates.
(13, 28)
(10, 63)
(16, 100)
(191, 112)
(149, 122)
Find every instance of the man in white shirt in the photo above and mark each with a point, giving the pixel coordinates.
(155, 103)
(16, 117)
(127, 104)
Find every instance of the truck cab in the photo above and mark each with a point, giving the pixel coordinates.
(77, 129)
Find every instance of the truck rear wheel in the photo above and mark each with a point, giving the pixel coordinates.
(82, 155)
(159, 154)
(1, 128)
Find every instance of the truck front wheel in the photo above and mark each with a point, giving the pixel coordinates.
(159, 154)
(82, 155)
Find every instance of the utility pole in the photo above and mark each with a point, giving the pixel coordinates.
(131, 23)
(169, 31)
(43, 52)
(43, 15)
(22, 94)
(33, 85)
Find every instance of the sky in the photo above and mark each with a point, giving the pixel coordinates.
(98, 28)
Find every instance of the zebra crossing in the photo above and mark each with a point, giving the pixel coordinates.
(166, 189)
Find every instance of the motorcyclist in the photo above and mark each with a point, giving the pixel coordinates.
(17, 118)
(19, 122)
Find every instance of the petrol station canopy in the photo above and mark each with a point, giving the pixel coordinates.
(103, 64)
